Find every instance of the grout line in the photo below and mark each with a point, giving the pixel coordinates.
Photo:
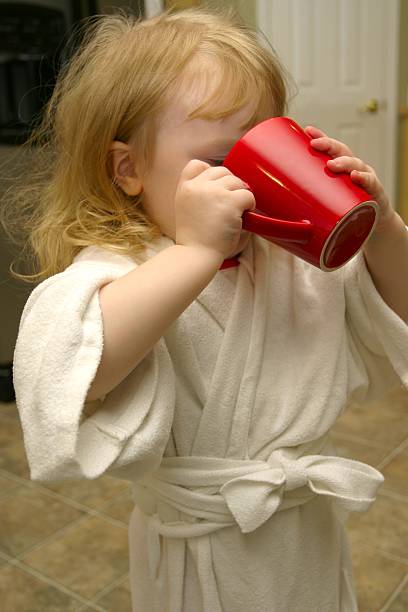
(57, 534)
(21, 564)
(114, 499)
(60, 587)
(365, 441)
(391, 556)
(88, 513)
(5, 557)
(5, 493)
(115, 583)
(392, 495)
(380, 551)
(395, 594)
(49, 539)
(399, 449)
(13, 477)
(92, 606)
(67, 500)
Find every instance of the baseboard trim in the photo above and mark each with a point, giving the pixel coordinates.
(7, 393)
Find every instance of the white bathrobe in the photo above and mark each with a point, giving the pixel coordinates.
(241, 499)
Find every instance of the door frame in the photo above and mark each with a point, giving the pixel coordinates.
(390, 87)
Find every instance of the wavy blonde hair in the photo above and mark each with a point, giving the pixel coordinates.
(114, 88)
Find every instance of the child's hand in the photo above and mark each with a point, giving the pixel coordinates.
(360, 173)
(209, 204)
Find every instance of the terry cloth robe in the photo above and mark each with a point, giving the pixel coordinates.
(240, 497)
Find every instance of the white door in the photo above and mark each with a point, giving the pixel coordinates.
(343, 56)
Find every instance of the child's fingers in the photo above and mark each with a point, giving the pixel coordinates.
(211, 173)
(323, 143)
(347, 164)
(368, 181)
(344, 161)
(193, 168)
(314, 132)
(331, 147)
(232, 182)
(360, 173)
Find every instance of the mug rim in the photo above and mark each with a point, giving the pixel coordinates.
(371, 203)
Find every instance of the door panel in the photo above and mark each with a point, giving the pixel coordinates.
(342, 55)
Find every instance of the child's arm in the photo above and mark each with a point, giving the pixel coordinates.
(386, 251)
(386, 255)
(138, 308)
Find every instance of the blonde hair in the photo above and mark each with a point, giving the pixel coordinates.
(114, 88)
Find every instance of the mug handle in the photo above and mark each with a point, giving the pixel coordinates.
(292, 231)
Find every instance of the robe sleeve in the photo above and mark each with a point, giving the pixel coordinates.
(377, 338)
(57, 353)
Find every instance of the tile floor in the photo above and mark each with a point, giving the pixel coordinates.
(63, 547)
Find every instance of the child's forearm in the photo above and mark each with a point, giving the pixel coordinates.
(386, 255)
(137, 308)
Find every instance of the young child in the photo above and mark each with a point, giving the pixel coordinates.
(212, 388)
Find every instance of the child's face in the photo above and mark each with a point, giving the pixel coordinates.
(178, 140)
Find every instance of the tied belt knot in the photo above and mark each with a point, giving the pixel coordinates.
(213, 493)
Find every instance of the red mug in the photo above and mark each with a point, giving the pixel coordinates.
(302, 206)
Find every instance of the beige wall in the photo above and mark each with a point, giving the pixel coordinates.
(403, 67)
(246, 8)
(403, 102)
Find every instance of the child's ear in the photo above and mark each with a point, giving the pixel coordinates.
(124, 170)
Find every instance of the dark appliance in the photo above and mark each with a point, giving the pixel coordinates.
(30, 41)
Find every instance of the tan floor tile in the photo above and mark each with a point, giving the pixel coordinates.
(10, 431)
(396, 474)
(376, 577)
(85, 558)
(13, 459)
(120, 508)
(384, 526)
(400, 603)
(13, 456)
(22, 592)
(384, 423)
(118, 599)
(7, 485)
(373, 455)
(9, 409)
(91, 493)
(29, 516)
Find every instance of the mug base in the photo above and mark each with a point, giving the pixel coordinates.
(349, 236)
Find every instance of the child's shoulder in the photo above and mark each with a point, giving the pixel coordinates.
(102, 255)
(90, 268)
(106, 255)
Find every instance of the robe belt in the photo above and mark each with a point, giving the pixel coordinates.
(214, 493)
